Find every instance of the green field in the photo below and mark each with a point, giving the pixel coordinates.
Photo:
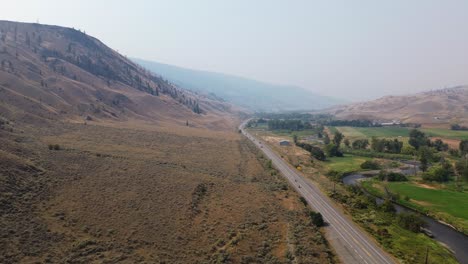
(447, 133)
(391, 132)
(367, 132)
(300, 133)
(348, 163)
(451, 202)
(450, 206)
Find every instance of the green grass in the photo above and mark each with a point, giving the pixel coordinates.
(348, 163)
(367, 132)
(447, 133)
(392, 132)
(447, 205)
(332, 129)
(407, 246)
(287, 132)
(411, 247)
(451, 202)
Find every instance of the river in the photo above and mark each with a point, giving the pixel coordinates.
(456, 241)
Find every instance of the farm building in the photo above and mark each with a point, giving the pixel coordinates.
(284, 143)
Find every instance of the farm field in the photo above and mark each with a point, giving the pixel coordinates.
(367, 132)
(451, 206)
(348, 163)
(301, 133)
(446, 133)
(391, 132)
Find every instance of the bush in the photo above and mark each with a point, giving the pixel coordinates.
(360, 144)
(303, 200)
(316, 218)
(437, 173)
(410, 221)
(392, 176)
(370, 165)
(54, 147)
(335, 175)
(317, 153)
(333, 150)
(387, 206)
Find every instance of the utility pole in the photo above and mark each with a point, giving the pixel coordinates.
(427, 256)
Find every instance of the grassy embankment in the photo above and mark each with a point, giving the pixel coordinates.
(438, 201)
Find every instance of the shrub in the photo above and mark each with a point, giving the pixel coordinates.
(437, 173)
(410, 221)
(303, 200)
(370, 165)
(392, 176)
(54, 147)
(333, 150)
(316, 218)
(387, 206)
(360, 144)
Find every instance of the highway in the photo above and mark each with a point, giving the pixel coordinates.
(351, 244)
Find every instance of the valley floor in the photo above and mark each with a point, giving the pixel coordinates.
(90, 193)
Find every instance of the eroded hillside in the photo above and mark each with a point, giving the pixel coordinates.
(49, 73)
(443, 106)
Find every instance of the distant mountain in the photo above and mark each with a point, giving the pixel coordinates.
(442, 106)
(51, 72)
(255, 95)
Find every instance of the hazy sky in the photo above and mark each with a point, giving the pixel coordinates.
(348, 49)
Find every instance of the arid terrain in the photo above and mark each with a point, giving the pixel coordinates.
(441, 107)
(111, 194)
(102, 162)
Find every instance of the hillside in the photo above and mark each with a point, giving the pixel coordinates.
(255, 95)
(442, 106)
(102, 162)
(50, 72)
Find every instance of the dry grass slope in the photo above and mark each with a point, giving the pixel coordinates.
(131, 195)
(435, 107)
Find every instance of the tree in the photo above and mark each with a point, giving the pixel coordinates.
(463, 147)
(316, 218)
(337, 138)
(410, 221)
(387, 206)
(425, 156)
(377, 145)
(332, 150)
(418, 139)
(295, 139)
(196, 109)
(439, 145)
(347, 143)
(360, 144)
(386, 145)
(437, 173)
(326, 138)
(317, 153)
(370, 165)
(462, 168)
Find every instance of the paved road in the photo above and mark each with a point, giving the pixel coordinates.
(351, 244)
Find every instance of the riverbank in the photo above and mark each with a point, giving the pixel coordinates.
(456, 241)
